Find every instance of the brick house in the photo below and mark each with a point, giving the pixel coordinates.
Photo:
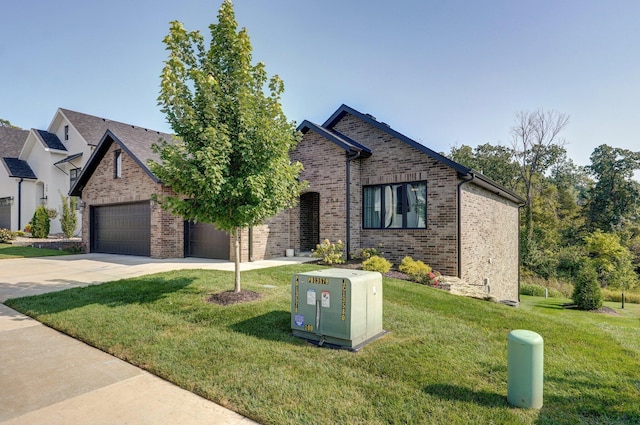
(120, 217)
(370, 185)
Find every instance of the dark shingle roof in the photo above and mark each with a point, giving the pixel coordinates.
(18, 168)
(11, 141)
(50, 140)
(93, 128)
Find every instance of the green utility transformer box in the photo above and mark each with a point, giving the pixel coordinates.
(338, 307)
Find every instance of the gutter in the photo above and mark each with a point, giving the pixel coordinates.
(20, 203)
(469, 180)
(351, 156)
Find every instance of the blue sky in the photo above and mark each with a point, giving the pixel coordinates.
(442, 72)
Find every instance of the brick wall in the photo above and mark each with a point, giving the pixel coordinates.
(325, 170)
(489, 229)
(393, 161)
(135, 185)
(489, 222)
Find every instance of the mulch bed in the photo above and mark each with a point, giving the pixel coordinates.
(231, 297)
(601, 310)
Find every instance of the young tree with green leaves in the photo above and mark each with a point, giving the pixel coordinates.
(68, 218)
(231, 165)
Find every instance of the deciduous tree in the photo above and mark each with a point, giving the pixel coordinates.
(536, 147)
(231, 165)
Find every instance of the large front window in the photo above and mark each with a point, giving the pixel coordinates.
(396, 206)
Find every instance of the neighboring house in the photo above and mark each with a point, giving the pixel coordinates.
(370, 185)
(46, 165)
(11, 142)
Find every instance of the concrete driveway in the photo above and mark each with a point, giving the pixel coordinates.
(50, 378)
(21, 277)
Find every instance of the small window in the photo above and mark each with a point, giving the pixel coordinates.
(117, 164)
(66, 132)
(395, 206)
(73, 176)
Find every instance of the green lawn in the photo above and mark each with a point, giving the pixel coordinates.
(13, 251)
(443, 362)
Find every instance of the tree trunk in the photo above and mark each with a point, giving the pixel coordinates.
(236, 242)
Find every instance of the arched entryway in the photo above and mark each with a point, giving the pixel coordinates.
(309, 221)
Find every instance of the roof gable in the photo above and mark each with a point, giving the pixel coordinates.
(346, 143)
(466, 173)
(368, 118)
(135, 141)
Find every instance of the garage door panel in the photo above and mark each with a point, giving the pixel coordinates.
(122, 229)
(5, 216)
(205, 241)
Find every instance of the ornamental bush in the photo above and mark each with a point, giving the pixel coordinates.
(5, 235)
(40, 223)
(68, 219)
(418, 271)
(586, 293)
(330, 253)
(366, 253)
(376, 264)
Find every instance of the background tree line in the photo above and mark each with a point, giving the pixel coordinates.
(580, 222)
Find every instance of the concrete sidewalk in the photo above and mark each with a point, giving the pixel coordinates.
(49, 378)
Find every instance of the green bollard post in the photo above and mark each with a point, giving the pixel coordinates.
(525, 369)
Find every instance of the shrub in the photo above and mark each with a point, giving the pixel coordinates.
(538, 291)
(417, 270)
(376, 264)
(5, 235)
(19, 233)
(533, 290)
(40, 223)
(68, 219)
(366, 253)
(587, 294)
(330, 253)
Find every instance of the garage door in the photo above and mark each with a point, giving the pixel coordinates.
(121, 229)
(5, 213)
(204, 241)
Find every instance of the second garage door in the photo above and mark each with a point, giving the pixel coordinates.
(205, 241)
(121, 229)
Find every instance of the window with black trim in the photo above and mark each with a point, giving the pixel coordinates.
(395, 206)
(74, 173)
(66, 132)
(117, 164)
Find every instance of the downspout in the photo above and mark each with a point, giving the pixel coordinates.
(351, 156)
(251, 244)
(473, 176)
(20, 204)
